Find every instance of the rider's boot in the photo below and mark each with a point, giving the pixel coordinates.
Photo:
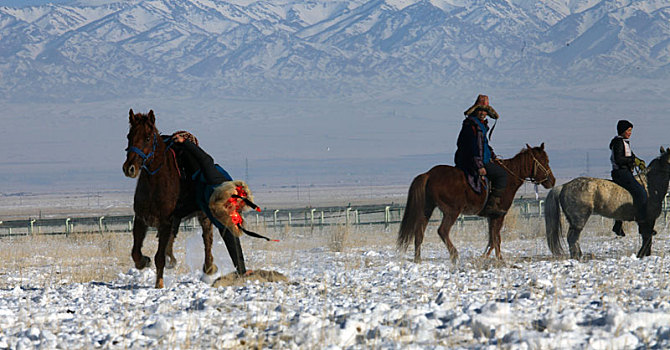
(493, 207)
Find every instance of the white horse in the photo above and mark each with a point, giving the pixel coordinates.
(584, 196)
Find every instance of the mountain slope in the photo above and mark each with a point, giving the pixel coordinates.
(194, 47)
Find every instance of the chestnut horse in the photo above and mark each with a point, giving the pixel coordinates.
(446, 187)
(163, 199)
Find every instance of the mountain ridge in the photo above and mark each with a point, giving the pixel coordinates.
(93, 49)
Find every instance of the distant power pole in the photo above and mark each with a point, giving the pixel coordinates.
(246, 170)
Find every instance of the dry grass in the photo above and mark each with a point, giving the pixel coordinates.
(64, 259)
(74, 258)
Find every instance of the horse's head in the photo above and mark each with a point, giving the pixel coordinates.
(142, 141)
(541, 173)
(662, 163)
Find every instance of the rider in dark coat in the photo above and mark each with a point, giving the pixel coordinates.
(194, 161)
(623, 162)
(199, 166)
(474, 155)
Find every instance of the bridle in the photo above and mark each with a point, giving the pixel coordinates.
(146, 161)
(533, 176)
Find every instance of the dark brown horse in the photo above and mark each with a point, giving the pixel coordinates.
(163, 199)
(445, 187)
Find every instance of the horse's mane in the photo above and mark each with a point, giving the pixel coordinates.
(522, 152)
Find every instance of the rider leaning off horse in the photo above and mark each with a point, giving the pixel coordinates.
(199, 166)
(623, 162)
(476, 158)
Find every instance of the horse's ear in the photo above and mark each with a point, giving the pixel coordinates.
(542, 146)
(662, 150)
(131, 116)
(528, 146)
(152, 117)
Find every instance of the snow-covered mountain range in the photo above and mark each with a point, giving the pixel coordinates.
(97, 49)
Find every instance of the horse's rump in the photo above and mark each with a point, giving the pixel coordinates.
(448, 185)
(601, 196)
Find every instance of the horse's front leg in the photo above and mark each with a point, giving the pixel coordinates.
(495, 225)
(645, 250)
(164, 233)
(139, 232)
(209, 268)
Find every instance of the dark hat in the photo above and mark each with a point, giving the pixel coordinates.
(482, 104)
(622, 126)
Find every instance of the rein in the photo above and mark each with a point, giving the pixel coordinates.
(533, 176)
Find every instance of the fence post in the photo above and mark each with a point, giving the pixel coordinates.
(67, 226)
(32, 223)
(311, 212)
(289, 219)
(387, 216)
(347, 216)
(275, 217)
(358, 221)
(323, 219)
(540, 204)
(100, 224)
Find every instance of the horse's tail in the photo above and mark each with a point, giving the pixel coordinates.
(552, 220)
(416, 215)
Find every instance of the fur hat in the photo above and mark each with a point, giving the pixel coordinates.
(482, 104)
(187, 136)
(622, 126)
(227, 202)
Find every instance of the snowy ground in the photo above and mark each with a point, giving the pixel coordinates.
(346, 289)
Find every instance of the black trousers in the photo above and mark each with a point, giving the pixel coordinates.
(497, 175)
(625, 179)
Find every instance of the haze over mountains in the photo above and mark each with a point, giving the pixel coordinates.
(331, 79)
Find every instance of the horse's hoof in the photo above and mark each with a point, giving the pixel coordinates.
(211, 270)
(144, 262)
(159, 283)
(170, 262)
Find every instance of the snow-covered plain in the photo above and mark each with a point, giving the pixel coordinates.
(346, 289)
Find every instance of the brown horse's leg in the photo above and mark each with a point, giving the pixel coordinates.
(418, 239)
(139, 232)
(209, 268)
(171, 261)
(164, 233)
(448, 220)
(495, 225)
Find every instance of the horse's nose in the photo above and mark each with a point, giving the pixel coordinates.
(130, 171)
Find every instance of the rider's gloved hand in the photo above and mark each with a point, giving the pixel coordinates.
(640, 163)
